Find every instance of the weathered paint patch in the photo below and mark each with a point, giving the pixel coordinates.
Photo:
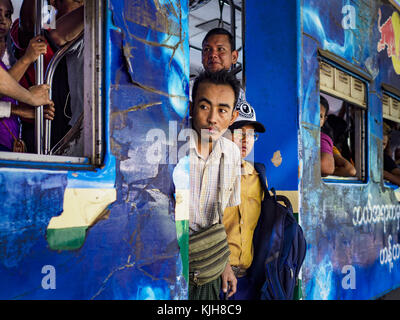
(82, 209)
(70, 238)
(277, 159)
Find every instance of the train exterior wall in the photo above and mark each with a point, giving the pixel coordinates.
(109, 233)
(352, 230)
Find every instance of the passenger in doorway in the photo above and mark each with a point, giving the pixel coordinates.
(240, 221)
(10, 110)
(219, 53)
(67, 91)
(390, 170)
(214, 171)
(332, 162)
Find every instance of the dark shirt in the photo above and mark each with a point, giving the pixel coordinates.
(388, 163)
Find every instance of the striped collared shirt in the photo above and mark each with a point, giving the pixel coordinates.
(206, 198)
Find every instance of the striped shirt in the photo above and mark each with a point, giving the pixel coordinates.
(207, 182)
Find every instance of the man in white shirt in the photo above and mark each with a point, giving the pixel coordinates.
(213, 111)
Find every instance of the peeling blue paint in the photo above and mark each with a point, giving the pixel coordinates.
(133, 253)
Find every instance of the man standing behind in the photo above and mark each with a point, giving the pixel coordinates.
(240, 221)
(214, 167)
(219, 53)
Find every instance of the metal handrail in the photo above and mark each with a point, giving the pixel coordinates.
(39, 79)
(49, 80)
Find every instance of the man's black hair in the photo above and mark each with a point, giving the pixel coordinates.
(222, 77)
(220, 31)
(325, 103)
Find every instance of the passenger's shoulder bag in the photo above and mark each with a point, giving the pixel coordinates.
(19, 144)
(279, 247)
(209, 249)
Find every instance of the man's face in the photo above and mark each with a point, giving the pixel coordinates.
(244, 138)
(217, 53)
(212, 110)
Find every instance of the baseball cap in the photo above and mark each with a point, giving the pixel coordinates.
(247, 116)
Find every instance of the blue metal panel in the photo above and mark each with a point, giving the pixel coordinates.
(134, 253)
(271, 53)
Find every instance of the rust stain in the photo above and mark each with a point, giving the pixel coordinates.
(141, 15)
(162, 23)
(128, 264)
(121, 113)
(150, 89)
(141, 107)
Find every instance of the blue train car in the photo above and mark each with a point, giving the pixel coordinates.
(348, 52)
(100, 223)
(110, 220)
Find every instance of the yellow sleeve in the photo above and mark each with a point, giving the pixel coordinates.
(335, 150)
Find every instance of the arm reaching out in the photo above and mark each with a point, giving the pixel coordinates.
(343, 168)
(35, 96)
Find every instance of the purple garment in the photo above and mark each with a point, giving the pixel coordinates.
(6, 139)
(326, 143)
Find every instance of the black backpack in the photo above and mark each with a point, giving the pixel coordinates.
(279, 247)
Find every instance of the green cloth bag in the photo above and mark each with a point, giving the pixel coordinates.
(208, 254)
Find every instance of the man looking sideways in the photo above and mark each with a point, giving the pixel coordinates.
(214, 167)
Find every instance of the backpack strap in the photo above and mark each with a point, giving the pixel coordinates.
(260, 168)
(221, 186)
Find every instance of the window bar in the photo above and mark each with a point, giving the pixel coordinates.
(39, 79)
(233, 22)
(51, 68)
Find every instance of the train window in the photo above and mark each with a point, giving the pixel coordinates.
(345, 123)
(208, 14)
(75, 134)
(390, 108)
(391, 139)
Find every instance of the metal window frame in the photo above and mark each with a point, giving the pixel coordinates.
(393, 93)
(360, 125)
(93, 102)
